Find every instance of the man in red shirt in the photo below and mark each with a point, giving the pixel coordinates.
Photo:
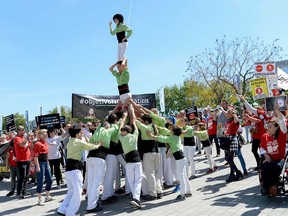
(23, 156)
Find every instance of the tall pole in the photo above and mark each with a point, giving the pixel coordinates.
(41, 110)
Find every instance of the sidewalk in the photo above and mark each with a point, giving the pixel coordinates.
(211, 196)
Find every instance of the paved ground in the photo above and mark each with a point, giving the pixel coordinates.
(211, 196)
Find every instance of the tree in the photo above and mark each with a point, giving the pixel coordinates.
(19, 119)
(67, 112)
(219, 65)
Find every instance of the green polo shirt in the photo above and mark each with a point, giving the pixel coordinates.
(129, 142)
(120, 28)
(173, 141)
(144, 128)
(189, 131)
(122, 78)
(203, 135)
(158, 120)
(75, 147)
(102, 134)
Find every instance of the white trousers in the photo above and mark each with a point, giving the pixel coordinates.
(189, 152)
(134, 176)
(208, 151)
(72, 200)
(198, 143)
(96, 167)
(122, 161)
(165, 167)
(110, 174)
(122, 47)
(182, 177)
(151, 167)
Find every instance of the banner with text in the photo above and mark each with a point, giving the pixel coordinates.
(48, 121)
(259, 88)
(98, 106)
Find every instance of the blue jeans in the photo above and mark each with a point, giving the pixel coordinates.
(241, 159)
(44, 170)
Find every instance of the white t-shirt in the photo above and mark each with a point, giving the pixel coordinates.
(53, 147)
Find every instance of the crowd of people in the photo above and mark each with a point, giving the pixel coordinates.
(153, 153)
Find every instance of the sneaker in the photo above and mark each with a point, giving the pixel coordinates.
(20, 197)
(166, 186)
(128, 195)
(10, 193)
(216, 168)
(159, 195)
(176, 189)
(41, 202)
(256, 168)
(189, 194)
(209, 171)
(218, 155)
(96, 209)
(245, 172)
(135, 204)
(199, 153)
(192, 177)
(149, 197)
(49, 198)
(59, 213)
(120, 191)
(180, 197)
(58, 187)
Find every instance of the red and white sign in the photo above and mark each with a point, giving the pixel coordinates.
(265, 68)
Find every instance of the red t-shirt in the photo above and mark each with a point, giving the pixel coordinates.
(259, 126)
(22, 152)
(12, 159)
(40, 147)
(212, 126)
(275, 148)
(275, 92)
(231, 128)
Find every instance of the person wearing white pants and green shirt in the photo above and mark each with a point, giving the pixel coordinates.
(174, 142)
(73, 172)
(96, 165)
(189, 149)
(133, 166)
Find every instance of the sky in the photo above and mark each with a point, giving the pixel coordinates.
(50, 49)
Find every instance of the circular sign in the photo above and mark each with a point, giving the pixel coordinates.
(270, 67)
(259, 68)
(259, 90)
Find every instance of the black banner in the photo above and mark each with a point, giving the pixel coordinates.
(98, 106)
(48, 121)
(10, 123)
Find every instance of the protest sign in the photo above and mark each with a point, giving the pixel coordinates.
(259, 88)
(48, 121)
(10, 123)
(264, 68)
(271, 101)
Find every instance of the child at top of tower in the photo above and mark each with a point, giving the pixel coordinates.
(120, 32)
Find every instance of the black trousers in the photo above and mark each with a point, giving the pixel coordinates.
(55, 166)
(215, 138)
(229, 157)
(270, 174)
(23, 172)
(255, 147)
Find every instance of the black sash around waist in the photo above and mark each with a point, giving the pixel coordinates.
(123, 89)
(132, 157)
(149, 146)
(100, 153)
(178, 155)
(72, 164)
(189, 141)
(206, 143)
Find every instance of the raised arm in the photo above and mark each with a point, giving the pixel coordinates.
(112, 67)
(247, 105)
(280, 118)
